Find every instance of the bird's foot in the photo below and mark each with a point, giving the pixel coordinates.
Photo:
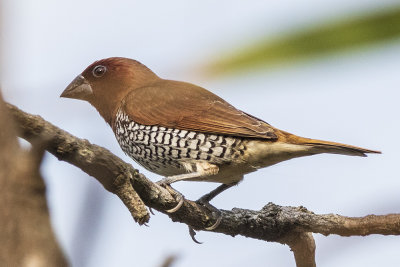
(178, 196)
(215, 212)
(204, 201)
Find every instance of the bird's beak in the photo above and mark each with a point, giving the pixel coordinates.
(79, 88)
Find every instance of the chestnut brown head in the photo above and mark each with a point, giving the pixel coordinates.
(106, 82)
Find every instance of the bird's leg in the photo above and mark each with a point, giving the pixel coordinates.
(209, 196)
(180, 177)
(202, 169)
(205, 201)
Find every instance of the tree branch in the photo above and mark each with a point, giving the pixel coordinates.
(303, 247)
(109, 170)
(287, 225)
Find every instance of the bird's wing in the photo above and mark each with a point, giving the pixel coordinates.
(185, 106)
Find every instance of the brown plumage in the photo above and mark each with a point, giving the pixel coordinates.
(183, 131)
(186, 106)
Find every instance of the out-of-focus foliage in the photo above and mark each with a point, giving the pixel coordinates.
(329, 37)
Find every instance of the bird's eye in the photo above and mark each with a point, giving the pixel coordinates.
(99, 71)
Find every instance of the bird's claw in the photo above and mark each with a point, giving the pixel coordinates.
(151, 210)
(173, 192)
(215, 225)
(178, 206)
(204, 202)
(192, 233)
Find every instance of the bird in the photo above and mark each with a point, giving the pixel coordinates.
(182, 131)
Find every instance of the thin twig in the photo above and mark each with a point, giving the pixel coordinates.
(303, 247)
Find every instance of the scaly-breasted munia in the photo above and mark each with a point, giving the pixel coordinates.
(184, 132)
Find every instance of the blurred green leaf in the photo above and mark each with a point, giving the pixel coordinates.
(336, 36)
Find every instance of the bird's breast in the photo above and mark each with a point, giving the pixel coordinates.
(169, 151)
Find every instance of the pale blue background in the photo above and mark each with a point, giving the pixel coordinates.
(351, 98)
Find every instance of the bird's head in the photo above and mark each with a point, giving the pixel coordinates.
(106, 82)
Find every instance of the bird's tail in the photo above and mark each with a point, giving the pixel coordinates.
(337, 148)
(319, 146)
